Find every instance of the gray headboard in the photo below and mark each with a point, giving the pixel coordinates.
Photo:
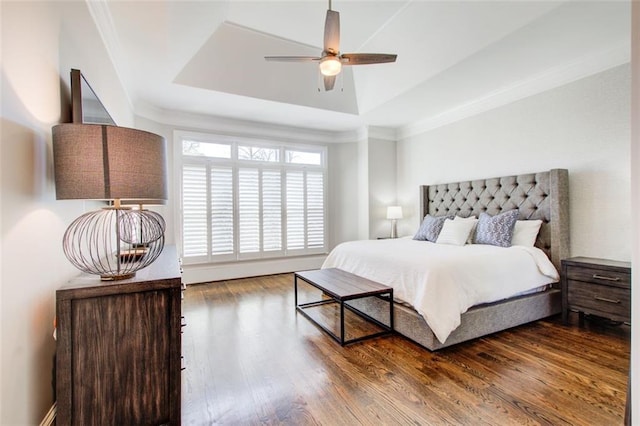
(543, 195)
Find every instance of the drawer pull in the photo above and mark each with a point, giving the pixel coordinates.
(602, 277)
(604, 299)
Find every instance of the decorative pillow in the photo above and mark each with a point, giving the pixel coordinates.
(430, 228)
(496, 230)
(456, 232)
(525, 232)
(473, 230)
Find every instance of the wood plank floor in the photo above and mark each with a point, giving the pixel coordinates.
(251, 359)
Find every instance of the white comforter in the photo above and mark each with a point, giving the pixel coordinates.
(442, 281)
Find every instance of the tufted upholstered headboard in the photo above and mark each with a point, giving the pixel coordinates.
(543, 195)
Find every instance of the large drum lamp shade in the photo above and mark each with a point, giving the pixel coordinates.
(101, 162)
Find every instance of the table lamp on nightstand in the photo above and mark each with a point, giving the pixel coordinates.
(394, 213)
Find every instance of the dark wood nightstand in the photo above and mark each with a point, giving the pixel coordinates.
(119, 347)
(596, 286)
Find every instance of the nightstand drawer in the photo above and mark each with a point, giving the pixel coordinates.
(606, 301)
(600, 287)
(599, 276)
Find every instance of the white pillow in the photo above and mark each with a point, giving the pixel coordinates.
(473, 230)
(456, 232)
(525, 232)
(465, 218)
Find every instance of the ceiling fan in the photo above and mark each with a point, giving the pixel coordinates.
(331, 60)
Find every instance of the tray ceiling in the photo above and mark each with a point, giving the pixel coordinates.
(454, 57)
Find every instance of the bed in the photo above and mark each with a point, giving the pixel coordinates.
(536, 196)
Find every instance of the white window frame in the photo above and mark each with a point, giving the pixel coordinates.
(236, 164)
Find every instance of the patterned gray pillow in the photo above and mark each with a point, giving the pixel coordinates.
(496, 230)
(430, 228)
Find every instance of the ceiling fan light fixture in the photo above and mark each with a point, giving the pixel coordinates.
(330, 66)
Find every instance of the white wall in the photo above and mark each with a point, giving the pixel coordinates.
(343, 186)
(362, 194)
(583, 127)
(41, 42)
(382, 185)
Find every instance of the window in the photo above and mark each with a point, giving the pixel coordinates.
(246, 199)
(301, 157)
(206, 149)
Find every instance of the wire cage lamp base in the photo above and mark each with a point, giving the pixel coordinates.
(114, 242)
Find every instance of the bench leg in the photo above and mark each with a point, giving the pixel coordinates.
(342, 323)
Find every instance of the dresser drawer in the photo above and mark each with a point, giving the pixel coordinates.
(602, 300)
(599, 276)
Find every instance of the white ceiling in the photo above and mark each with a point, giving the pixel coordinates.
(455, 58)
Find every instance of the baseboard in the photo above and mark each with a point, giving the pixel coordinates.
(50, 418)
(195, 274)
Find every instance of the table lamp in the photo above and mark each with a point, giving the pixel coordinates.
(394, 213)
(119, 165)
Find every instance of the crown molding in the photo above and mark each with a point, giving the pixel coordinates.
(101, 15)
(233, 126)
(383, 133)
(556, 77)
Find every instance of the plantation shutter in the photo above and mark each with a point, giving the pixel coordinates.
(244, 199)
(315, 210)
(272, 210)
(221, 210)
(249, 210)
(194, 211)
(295, 211)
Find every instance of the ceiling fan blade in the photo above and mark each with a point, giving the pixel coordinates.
(332, 32)
(329, 82)
(367, 58)
(292, 58)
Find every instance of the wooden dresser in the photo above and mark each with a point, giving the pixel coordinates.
(596, 286)
(118, 356)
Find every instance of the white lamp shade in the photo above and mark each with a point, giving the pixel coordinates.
(394, 212)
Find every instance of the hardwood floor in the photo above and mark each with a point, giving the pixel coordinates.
(251, 359)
